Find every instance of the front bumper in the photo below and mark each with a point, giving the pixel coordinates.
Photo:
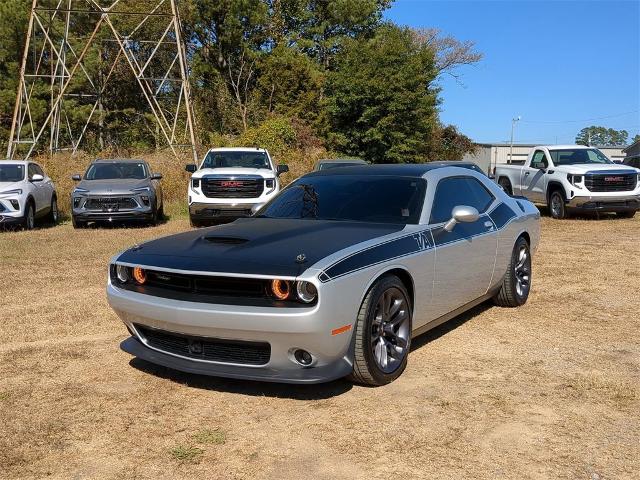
(606, 203)
(10, 220)
(208, 211)
(285, 330)
(132, 215)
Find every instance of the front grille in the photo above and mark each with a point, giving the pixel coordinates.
(207, 285)
(210, 349)
(110, 203)
(232, 188)
(611, 182)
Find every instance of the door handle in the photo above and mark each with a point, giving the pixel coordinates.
(526, 174)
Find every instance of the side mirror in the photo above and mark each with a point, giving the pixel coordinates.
(191, 168)
(282, 169)
(37, 178)
(76, 178)
(156, 176)
(462, 214)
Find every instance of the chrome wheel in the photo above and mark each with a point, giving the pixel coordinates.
(523, 271)
(556, 205)
(390, 330)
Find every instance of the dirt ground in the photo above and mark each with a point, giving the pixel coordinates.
(550, 390)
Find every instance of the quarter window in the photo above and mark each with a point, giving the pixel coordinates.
(455, 191)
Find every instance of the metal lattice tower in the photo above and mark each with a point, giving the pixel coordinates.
(77, 50)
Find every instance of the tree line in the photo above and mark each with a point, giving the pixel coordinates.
(334, 72)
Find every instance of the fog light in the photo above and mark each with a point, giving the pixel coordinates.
(15, 204)
(122, 273)
(140, 275)
(303, 357)
(145, 200)
(281, 289)
(76, 202)
(307, 291)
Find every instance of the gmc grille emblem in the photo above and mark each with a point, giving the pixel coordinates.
(614, 179)
(231, 184)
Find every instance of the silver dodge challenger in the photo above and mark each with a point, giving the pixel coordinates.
(332, 278)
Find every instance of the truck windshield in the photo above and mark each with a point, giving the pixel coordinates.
(236, 160)
(375, 199)
(11, 173)
(116, 171)
(578, 156)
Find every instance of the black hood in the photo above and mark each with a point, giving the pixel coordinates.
(255, 246)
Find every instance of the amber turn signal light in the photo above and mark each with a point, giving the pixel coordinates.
(281, 289)
(139, 275)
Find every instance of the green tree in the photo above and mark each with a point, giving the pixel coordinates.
(635, 139)
(381, 104)
(602, 137)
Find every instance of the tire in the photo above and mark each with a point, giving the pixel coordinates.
(29, 220)
(77, 223)
(375, 340)
(630, 214)
(155, 217)
(161, 213)
(506, 185)
(557, 208)
(54, 214)
(516, 284)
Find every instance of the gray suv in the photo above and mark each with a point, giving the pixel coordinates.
(117, 190)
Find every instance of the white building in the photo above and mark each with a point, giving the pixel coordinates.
(489, 155)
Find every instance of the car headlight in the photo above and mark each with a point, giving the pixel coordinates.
(17, 191)
(141, 189)
(576, 180)
(307, 292)
(270, 184)
(79, 190)
(195, 183)
(281, 289)
(122, 273)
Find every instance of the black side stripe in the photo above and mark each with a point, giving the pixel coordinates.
(417, 242)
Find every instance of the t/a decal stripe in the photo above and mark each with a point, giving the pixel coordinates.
(501, 215)
(379, 254)
(418, 242)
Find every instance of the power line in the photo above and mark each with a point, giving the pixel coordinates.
(580, 121)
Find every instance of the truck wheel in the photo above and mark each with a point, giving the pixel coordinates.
(506, 186)
(630, 214)
(29, 219)
(382, 334)
(517, 281)
(556, 205)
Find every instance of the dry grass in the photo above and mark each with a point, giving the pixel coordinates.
(550, 390)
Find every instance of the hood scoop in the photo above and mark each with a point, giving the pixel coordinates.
(225, 240)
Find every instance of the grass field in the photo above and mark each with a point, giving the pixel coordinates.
(550, 390)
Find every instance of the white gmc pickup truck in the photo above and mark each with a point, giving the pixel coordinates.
(568, 177)
(231, 183)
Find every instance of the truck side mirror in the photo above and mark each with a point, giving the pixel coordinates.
(76, 177)
(462, 214)
(282, 169)
(191, 168)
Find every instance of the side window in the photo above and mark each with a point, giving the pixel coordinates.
(38, 169)
(31, 170)
(454, 191)
(539, 160)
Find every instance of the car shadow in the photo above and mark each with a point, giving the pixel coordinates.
(440, 330)
(251, 388)
(581, 215)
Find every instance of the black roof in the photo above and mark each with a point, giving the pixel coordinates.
(400, 169)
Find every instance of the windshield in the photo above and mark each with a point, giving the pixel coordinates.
(236, 160)
(578, 156)
(378, 199)
(11, 173)
(116, 171)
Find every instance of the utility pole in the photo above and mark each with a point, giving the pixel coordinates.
(62, 38)
(513, 125)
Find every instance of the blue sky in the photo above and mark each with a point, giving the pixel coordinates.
(557, 62)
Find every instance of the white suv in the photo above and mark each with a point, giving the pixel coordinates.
(232, 183)
(26, 194)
